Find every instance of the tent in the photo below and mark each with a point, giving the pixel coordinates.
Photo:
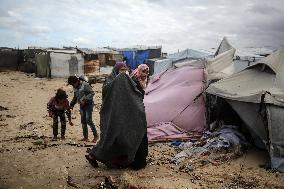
(64, 63)
(256, 94)
(227, 60)
(222, 64)
(187, 54)
(173, 105)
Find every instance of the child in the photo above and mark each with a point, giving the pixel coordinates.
(56, 107)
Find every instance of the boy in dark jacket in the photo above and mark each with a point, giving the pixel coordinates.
(57, 107)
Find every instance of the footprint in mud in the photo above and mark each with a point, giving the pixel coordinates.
(3, 124)
(2, 118)
(2, 108)
(24, 126)
(10, 116)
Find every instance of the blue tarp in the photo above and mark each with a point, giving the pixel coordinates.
(141, 56)
(129, 55)
(135, 58)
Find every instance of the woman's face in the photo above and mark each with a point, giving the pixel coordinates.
(144, 73)
(122, 70)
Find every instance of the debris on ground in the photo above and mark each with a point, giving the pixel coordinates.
(24, 126)
(3, 108)
(108, 183)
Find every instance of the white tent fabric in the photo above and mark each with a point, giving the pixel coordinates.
(185, 63)
(250, 84)
(220, 66)
(66, 64)
(164, 64)
(187, 54)
(223, 47)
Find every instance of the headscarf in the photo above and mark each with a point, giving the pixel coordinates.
(118, 66)
(112, 76)
(137, 74)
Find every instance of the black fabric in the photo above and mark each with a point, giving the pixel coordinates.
(139, 87)
(108, 81)
(151, 65)
(141, 154)
(122, 121)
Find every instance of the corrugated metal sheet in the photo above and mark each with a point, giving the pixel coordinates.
(99, 50)
(73, 51)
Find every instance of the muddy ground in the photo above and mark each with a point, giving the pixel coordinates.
(29, 159)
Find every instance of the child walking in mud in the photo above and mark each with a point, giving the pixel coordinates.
(57, 107)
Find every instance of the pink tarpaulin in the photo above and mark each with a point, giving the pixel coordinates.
(173, 107)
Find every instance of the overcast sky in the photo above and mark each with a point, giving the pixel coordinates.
(174, 24)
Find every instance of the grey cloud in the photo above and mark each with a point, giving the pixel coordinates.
(264, 9)
(173, 24)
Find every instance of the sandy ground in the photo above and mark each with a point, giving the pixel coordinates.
(29, 159)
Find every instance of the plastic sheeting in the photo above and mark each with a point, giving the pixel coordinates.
(187, 54)
(223, 47)
(220, 66)
(162, 65)
(135, 58)
(42, 65)
(64, 65)
(250, 115)
(276, 135)
(185, 63)
(250, 84)
(141, 56)
(173, 107)
(130, 56)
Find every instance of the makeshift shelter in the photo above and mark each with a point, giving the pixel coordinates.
(256, 94)
(9, 59)
(42, 65)
(91, 60)
(64, 63)
(107, 57)
(173, 104)
(136, 56)
(185, 55)
(222, 64)
(227, 60)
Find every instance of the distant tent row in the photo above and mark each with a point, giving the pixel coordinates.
(54, 62)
